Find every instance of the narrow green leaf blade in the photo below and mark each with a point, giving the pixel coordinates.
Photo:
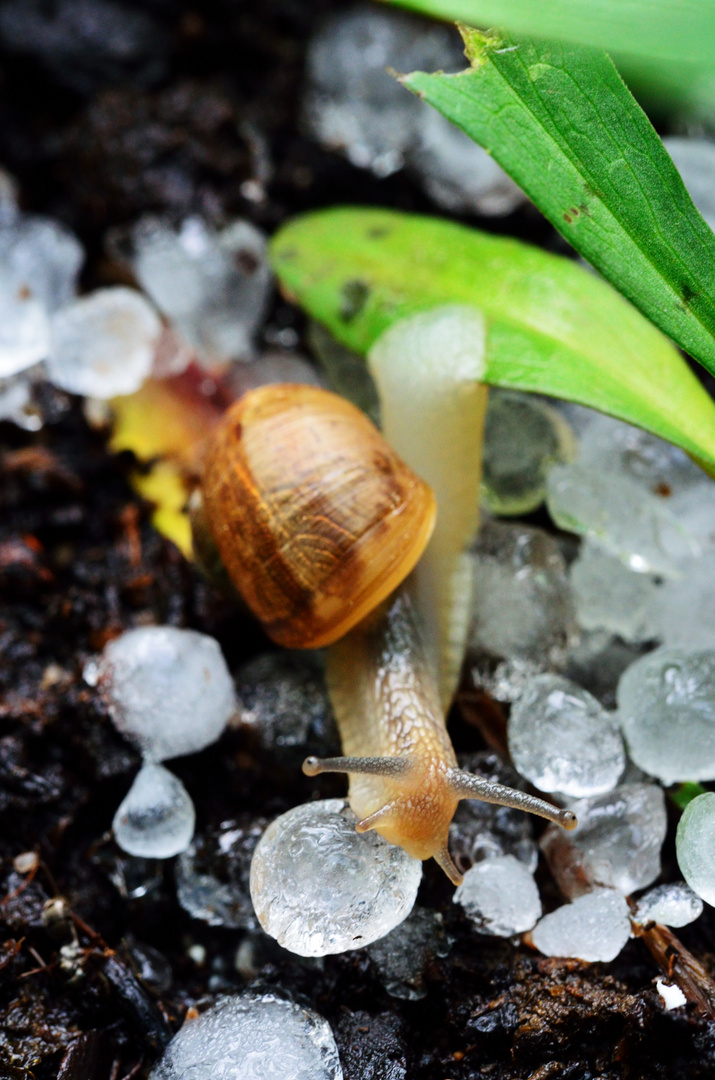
(561, 122)
(678, 30)
(552, 326)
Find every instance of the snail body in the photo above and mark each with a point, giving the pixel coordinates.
(320, 525)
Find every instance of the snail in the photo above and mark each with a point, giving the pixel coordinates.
(331, 539)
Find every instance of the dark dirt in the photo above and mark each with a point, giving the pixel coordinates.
(173, 114)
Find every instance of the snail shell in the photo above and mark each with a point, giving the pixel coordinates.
(316, 519)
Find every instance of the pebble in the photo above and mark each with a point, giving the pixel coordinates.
(167, 689)
(402, 957)
(283, 699)
(610, 596)
(251, 1037)
(523, 607)
(694, 846)
(213, 874)
(671, 905)
(523, 439)
(213, 286)
(156, 818)
(354, 105)
(319, 887)
(695, 161)
(617, 841)
(593, 928)
(563, 740)
(481, 830)
(620, 516)
(500, 896)
(103, 345)
(666, 704)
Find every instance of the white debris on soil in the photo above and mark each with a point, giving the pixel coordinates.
(356, 106)
(523, 439)
(672, 996)
(617, 841)
(610, 596)
(156, 818)
(666, 705)
(695, 161)
(523, 609)
(695, 843)
(319, 887)
(594, 928)
(500, 896)
(167, 689)
(671, 905)
(103, 345)
(213, 286)
(620, 516)
(563, 740)
(252, 1036)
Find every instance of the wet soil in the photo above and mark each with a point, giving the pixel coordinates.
(98, 962)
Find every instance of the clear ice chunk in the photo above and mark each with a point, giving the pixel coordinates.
(620, 516)
(169, 690)
(695, 161)
(354, 105)
(346, 372)
(612, 446)
(103, 345)
(610, 596)
(617, 841)
(457, 173)
(523, 607)
(523, 439)
(671, 905)
(563, 740)
(213, 874)
(156, 818)
(403, 955)
(17, 403)
(252, 1037)
(597, 661)
(694, 846)
(283, 699)
(593, 928)
(500, 896)
(213, 286)
(319, 887)
(694, 507)
(666, 705)
(481, 830)
(683, 610)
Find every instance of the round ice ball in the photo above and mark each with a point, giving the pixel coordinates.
(695, 843)
(252, 1035)
(168, 690)
(319, 887)
(156, 818)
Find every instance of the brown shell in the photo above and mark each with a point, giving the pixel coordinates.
(315, 517)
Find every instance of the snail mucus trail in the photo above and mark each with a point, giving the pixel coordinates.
(333, 541)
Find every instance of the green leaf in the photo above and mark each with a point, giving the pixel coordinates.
(685, 793)
(561, 122)
(677, 30)
(552, 326)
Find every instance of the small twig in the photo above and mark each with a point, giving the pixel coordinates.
(679, 965)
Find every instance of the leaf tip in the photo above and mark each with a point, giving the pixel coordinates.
(477, 44)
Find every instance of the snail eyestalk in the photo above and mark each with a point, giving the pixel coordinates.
(367, 766)
(467, 786)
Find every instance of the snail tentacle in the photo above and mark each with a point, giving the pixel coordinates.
(468, 786)
(369, 766)
(373, 820)
(445, 862)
